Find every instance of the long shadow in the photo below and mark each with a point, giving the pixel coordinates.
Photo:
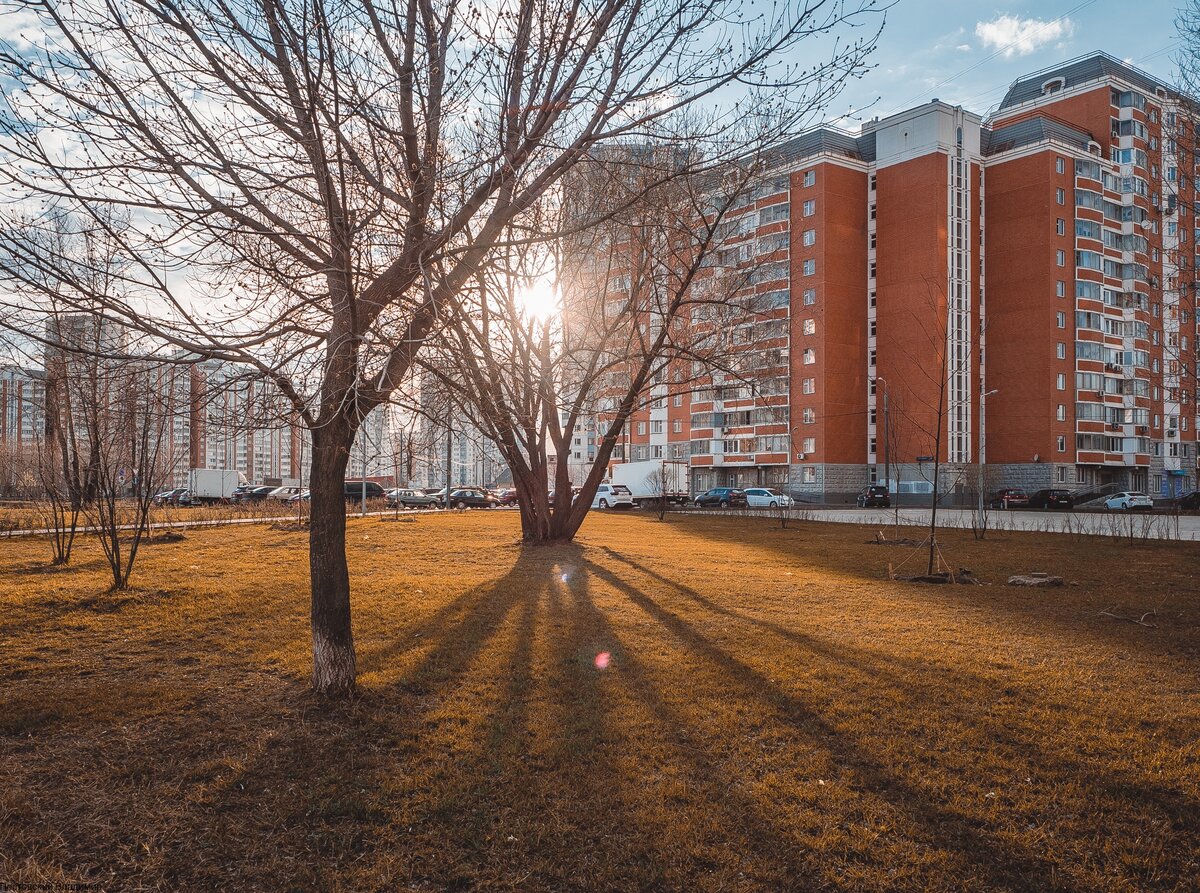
(757, 834)
(866, 662)
(1000, 866)
(1067, 612)
(931, 683)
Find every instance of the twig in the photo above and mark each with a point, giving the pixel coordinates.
(1141, 621)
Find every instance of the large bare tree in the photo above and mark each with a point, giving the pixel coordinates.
(312, 184)
(566, 336)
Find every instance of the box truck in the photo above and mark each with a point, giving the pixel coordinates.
(208, 485)
(653, 480)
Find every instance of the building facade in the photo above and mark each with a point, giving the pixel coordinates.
(1014, 296)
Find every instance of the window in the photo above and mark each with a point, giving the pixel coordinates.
(677, 400)
(1061, 351)
(1060, 165)
(1062, 443)
(810, 327)
(1060, 227)
(810, 178)
(810, 385)
(1061, 413)
(809, 445)
(872, 329)
(810, 267)
(810, 208)
(1060, 289)
(641, 427)
(1061, 382)
(810, 296)
(810, 474)
(810, 416)
(656, 427)
(810, 237)
(677, 426)
(1061, 319)
(810, 356)
(1060, 257)
(1060, 196)
(1062, 474)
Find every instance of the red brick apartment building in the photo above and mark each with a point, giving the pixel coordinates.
(1019, 291)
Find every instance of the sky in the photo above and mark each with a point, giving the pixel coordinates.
(967, 53)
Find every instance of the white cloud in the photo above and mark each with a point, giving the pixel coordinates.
(1015, 36)
(963, 48)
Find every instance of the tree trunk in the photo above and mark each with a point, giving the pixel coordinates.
(332, 638)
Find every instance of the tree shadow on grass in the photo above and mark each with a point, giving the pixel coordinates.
(556, 780)
(1074, 611)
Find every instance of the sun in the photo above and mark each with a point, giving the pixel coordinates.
(539, 299)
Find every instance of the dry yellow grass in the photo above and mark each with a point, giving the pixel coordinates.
(774, 715)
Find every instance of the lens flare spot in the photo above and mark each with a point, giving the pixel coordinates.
(602, 660)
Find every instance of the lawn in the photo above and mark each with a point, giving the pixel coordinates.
(699, 704)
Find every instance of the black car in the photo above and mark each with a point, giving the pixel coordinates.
(354, 490)
(723, 497)
(470, 498)
(252, 494)
(1051, 499)
(874, 497)
(1189, 502)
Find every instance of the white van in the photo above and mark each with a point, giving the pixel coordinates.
(612, 496)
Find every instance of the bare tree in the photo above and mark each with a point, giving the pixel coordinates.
(128, 416)
(919, 396)
(556, 338)
(315, 184)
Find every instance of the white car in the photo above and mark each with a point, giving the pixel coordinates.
(1129, 501)
(765, 497)
(612, 496)
(283, 494)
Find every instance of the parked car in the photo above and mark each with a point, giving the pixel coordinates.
(283, 494)
(1128, 501)
(1009, 498)
(241, 490)
(765, 497)
(875, 496)
(354, 490)
(469, 497)
(1051, 499)
(409, 498)
(302, 496)
(252, 494)
(722, 497)
(1189, 502)
(507, 497)
(613, 496)
(169, 497)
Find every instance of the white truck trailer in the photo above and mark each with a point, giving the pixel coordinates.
(208, 485)
(654, 480)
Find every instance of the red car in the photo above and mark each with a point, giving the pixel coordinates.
(506, 497)
(1010, 498)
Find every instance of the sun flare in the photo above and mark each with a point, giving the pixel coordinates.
(539, 299)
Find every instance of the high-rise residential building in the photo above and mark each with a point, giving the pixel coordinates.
(1015, 295)
(240, 421)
